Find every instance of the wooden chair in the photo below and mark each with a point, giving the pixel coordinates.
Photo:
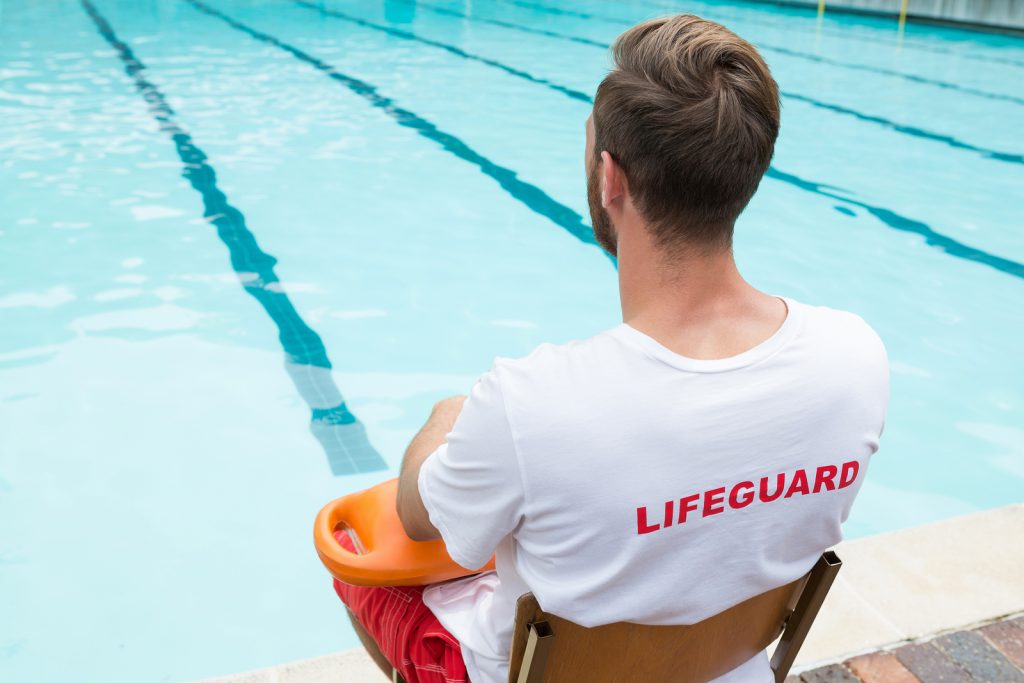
(549, 649)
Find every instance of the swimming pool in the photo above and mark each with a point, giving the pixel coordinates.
(245, 246)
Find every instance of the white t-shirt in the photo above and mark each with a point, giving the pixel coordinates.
(620, 481)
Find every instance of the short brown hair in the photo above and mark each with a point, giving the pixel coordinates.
(690, 112)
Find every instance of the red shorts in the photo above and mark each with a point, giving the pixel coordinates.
(406, 631)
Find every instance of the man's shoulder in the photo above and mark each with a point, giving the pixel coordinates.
(843, 344)
(549, 357)
(840, 327)
(556, 378)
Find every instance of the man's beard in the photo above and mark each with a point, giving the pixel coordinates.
(604, 231)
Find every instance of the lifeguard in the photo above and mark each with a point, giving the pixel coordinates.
(736, 424)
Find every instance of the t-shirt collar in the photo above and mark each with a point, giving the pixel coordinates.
(782, 336)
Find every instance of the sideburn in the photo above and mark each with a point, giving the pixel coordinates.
(604, 231)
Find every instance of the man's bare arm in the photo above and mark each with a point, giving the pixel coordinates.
(411, 510)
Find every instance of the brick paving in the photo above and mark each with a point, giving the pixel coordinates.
(1008, 636)
(989, 654)
(881, 667)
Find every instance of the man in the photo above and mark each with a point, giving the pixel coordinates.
(702, 452)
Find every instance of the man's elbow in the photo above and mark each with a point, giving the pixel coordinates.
(412, 530)
(416, 523)
(418, 533)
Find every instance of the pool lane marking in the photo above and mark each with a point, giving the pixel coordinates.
(894, 220)
(844, 33)
(444, 11)
(768, 47)
(873, 40)
(340, 433)
(530, 195)
(923, 80)
(912, 131)
(903, 129)
(457, 51)
(558, 11)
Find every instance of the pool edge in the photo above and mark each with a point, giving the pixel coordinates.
(902, 586)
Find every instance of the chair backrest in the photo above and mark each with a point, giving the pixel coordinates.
(549, 649)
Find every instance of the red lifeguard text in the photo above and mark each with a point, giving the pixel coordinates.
(769, 488)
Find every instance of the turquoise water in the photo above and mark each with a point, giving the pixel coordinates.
(245, 246)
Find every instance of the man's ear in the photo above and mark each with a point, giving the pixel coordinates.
(613, 180)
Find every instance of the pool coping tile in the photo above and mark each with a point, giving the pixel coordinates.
(943, 575)
(349, 666)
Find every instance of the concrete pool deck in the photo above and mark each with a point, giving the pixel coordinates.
(907, 586)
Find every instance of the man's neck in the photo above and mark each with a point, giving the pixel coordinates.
(695, 303)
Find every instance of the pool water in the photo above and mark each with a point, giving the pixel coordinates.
(245, 246)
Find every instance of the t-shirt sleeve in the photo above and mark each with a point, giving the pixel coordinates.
(471, 486)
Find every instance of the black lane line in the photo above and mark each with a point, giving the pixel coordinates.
(913, 131)
(775, 20)
(444, 11)
(532, 196)
(339, 432)
(872, 41)
(457, 51)
(767, 47)
(558, 11)
(892, 72)
(896, 221)
(890, 218)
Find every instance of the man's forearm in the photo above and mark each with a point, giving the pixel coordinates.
(411, 510)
